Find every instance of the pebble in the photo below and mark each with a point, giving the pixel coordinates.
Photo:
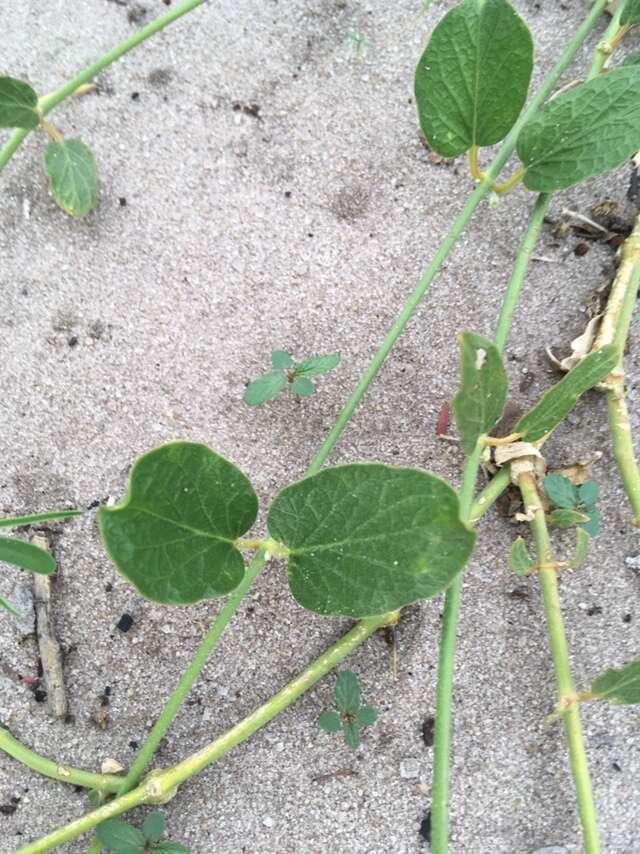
(267, 821)
(409, 769)
(633, 562)
(551, 849)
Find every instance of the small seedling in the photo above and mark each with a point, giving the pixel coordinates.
(575, 505)
(358, 39)
(286, 373)
(118, 837)
(351, 717)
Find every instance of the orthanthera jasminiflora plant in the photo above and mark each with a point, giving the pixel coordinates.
(366, 539)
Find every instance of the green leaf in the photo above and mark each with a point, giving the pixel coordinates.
(17, 521)
(265, 388)
(620, 686)
(303, 387)
(368, 538)
(630, 16)
(71, 170)
(119, 837)
(171, 848)
(347, 692)
(592, 527)
(589, 492)
(483, 389)
(173, 534)
(586, 131)
(472, 80)
(9, 607)
(153, 827)
(18, 104)
(281, 360)
(557, 403)
(520, 560)
(567, 518)
(561, 491)
(352, 735)
(366, 716)
(26, 556)
(329, 721)
(318, 365)
(582, 547)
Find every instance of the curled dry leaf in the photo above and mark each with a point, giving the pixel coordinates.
(111, 766)
(580, 346)
(523, 458)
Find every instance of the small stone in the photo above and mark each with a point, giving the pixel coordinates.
(633, 562)
(125, 622)
(409, 769)
(551, 849)
(267, 821)
(111, 766)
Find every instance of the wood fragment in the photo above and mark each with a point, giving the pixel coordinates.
(50, 651)
(330, 775)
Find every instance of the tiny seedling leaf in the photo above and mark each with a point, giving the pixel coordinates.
(619, 686)
(173, 534)
(17, 521)
(589, 492)
(352, 734)
(265, 388)
(9, 607)
(472, 80)
(153, 827)
(558, 402)
(483, 389)
(171, 848)
(567, 518)
(329, 721)
(582, 133)
(119, 837)
(317, 365)
(366, 716)
(71, 170)
(302, 386)
(347, 692)
(630, 16)
(561, 491)
(521, 562)
(582, 548)
(18, 104)
(365, 539)
(592, 527)
(26, 556)
(281, 360)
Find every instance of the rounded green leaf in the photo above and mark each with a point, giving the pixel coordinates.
(520, 560)
(347, 692)
(153, 827)
(329, 721)
(18, 104)
(265, 388)
(483, 389)
(119, 837)
(567, 518)
(281, 360)
(472, 80)
(302, 386)
(318, 365)
(368, 538)
(71, 170)
(561, 491)
(583, 132)
(366, 716)
(352, 735)
(592, 527)
(589, 492)
(173, 534)
(619, 686)
(26, 556)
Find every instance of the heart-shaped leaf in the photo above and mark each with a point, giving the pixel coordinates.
(365, 539)
(557, 403)
(265, 388)
(582, 133)
(472, 80)
(18, 104)
(119, 837)
(483, 389)
(619, 686)
(173, 534)
(72, 174)
(347, 692)
(26, 556)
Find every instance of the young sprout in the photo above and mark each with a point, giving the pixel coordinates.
(118, 837)
(350, 716)
(286, 373)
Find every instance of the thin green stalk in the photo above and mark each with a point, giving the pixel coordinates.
(56, 770)
(607, 44)
(48, 102)
(17, 521)
(547, 572)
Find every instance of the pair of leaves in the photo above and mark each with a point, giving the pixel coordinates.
(287, 373)
(119, 837)
(362, 539)
(350, 716)
(471, 84)
(576, 504)
(522, 563)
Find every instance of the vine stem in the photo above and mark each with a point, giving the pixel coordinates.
(48, 102)
(560, 653)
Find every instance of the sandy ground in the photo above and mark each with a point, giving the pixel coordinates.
(301, 223)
